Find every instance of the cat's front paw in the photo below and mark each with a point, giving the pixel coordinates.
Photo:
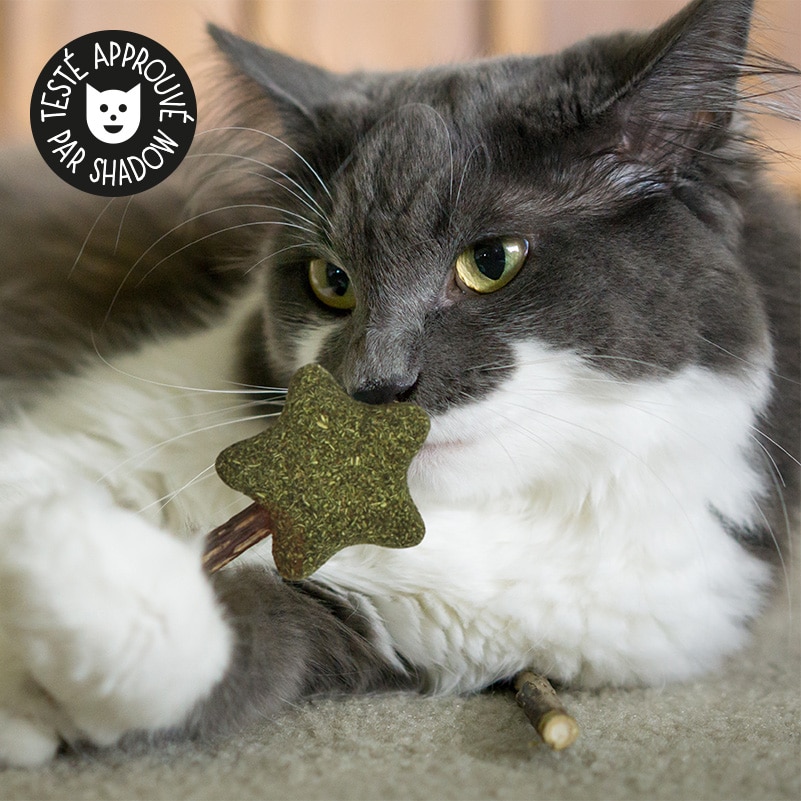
(28, 731)
(108, 625)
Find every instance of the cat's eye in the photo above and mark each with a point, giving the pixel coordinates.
(491, 263)
(331, 284)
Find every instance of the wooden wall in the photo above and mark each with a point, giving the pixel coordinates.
(344, 34)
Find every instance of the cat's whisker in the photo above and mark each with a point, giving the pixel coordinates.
(161, 502)
(272, 168)
(247, 388)
(594, 378)
(180, 225)
(429, 108)
(561, 358)
(281, 391)
(230, 207)
(122, 223)
(250, 399)
(273, 254)
(217, 232)
(144, 454)
(279, 141)
(775, 444)
(655, 367)
(747, 362)
(512, 366)
(261, 176)
(462, 180)
(777, 480)
(225, 409)
(89, 236)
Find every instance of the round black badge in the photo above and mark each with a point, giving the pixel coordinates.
(113, 113)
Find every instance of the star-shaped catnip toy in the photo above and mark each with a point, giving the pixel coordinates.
(331, 472)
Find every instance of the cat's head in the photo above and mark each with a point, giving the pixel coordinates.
(505, 240)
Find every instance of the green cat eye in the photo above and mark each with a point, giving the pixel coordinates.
(491, 263)
(331, 284)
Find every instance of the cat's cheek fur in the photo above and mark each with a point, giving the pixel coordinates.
(566, 431)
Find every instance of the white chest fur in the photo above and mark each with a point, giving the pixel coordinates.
(490, 592)
(604, 561)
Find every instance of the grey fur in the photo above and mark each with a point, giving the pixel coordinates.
(79, 275)
(295, 641)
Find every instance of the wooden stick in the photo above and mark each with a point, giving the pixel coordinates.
(542, 706)
(235, 536)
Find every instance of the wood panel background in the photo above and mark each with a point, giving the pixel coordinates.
(348, 34)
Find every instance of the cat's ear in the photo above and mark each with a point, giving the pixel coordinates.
(682, 88)
(295, 87)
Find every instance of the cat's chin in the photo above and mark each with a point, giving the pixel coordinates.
(457, 469)
(432, 451)
(436, 464)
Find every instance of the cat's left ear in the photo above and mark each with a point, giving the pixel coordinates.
(295, 88)
(682, 88)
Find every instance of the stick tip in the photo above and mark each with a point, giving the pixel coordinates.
(558, 729)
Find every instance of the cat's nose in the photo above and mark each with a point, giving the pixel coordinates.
(384, 393)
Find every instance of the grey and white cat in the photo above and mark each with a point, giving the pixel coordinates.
(571, 262)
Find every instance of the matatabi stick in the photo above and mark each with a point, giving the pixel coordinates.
(538, 699)
(235, 536)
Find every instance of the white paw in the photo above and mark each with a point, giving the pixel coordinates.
(110, 618)
(26, 743)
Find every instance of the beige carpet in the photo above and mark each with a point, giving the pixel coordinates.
(733, 736)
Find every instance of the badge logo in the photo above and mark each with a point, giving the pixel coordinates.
(113, 113)
(112, 116)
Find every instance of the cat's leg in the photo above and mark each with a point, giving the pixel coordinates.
(294, 641)
(107, 624)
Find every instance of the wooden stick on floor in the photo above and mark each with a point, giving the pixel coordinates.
(542, 706)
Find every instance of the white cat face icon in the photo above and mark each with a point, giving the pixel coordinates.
(112, 116)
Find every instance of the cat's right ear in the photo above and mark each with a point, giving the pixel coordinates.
(297, 89)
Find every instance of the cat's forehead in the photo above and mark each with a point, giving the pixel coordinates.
(434, 170)
(451, 127)
(399, 185)
(404, 150)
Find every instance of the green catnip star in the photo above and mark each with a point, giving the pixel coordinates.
(331, 472)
